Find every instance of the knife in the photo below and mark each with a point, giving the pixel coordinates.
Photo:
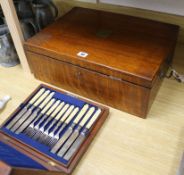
(70, 129)
(35, 113)
(59, 121)
(76, 132)
(39, 130)
(55, 137)
(31, 128)
(54, 119)
(70, 153)
(29, 111)
(23, 111)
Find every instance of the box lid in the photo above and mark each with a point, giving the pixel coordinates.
(124, 47)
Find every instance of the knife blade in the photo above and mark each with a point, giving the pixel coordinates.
(69, 130)
(73, 149)
(75, 134)
(29, 111)
(23, 111)
(34, 114)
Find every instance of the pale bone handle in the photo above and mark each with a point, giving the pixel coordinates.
(38, 94)
(57, 109)
(62, 111)
(53, 107)
(93, 119)
(48, 106)
(81, 113)
(74, 112)
(87, 116)
(67, 113)
(46, 100)
(41, 98)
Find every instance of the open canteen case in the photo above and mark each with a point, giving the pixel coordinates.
(25, 154)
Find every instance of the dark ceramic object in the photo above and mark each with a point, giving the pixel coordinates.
(45, 12)
(24, 9)
(28, 28)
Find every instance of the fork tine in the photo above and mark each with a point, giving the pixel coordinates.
(53, 142)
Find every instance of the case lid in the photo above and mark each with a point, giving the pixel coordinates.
(124, 47)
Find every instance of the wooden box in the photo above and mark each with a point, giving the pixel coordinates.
(114, 59)
(21, 154)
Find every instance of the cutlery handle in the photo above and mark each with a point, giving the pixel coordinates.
(44, 110)
(41, 98)
(63, 110)
(67, 113)
(87, 116)
(53, 108)
(81, 113)
(57, 110)
(93, 119)
(72, 115)
(38, 94)
(46, 100)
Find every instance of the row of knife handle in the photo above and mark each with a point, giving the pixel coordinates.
(57, 110)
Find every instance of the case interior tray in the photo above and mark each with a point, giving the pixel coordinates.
(35, 144)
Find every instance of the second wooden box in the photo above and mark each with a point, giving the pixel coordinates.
(115, 59)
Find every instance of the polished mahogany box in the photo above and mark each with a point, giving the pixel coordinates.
(57, 112)
(115, 59)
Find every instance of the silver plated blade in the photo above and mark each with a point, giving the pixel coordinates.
(17, 117)
(68, 143)
(62, 140)
(70, 153)
(28, 121)
(21, 120)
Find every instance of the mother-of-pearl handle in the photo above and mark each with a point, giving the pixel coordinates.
(36, 96)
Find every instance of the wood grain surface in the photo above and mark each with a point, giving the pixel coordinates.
(125, 47)
(125, 144)
(125, 55)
